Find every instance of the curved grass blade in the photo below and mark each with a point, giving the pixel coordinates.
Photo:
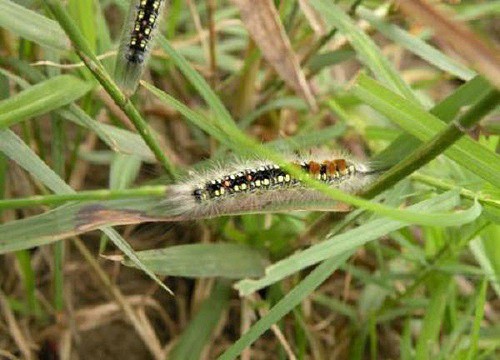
(286, 304)
(231, 261)
(423, 125)
(446, 110)
(32, 26)
(368, 52)
(12, 146)
(417, 46)
(119, 140)
(42, 98)
(343, 243)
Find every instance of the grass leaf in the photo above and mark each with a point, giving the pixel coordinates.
(423, 125)
(42, 98)
(32, 26)
(204, 260)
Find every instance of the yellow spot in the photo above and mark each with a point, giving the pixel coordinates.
(287, 178)
(280, 178)
(257, 183)
(222, 191)
(147, 31)
(217, 193)
(243, 186)
(265, 182)
(236, 188)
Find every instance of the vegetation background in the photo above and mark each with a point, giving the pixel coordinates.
(412, 272)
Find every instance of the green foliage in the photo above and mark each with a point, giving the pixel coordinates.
(413, 267)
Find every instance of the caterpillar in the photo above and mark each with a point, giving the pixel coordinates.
(137, 42)
(254, 186)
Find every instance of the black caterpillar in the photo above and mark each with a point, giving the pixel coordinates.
(146, 20)
(272, 176)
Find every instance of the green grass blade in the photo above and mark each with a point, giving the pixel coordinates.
(32, 26)
(446, 110)
(119, 140)
(230, 261)
(342, 243)
(84, 14)
(417, 46)
(286, 304)
(487, 253)
(223, 118)
(84, 51)
(478, 318)
(124, 170)
(433, 317)
(423, 125)
(42, 98)
(18, 151)
(368, 52)
(201, 327)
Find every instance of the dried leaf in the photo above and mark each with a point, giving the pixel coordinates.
(483, 57)
(262, 22)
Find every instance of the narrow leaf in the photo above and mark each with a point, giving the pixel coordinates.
(230, 261)
(32, 26)
(42, 98)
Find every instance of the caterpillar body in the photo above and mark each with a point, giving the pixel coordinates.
(137, 42)
(257, 186)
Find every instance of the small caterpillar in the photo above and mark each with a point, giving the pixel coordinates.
(136, 42)
(262, 186)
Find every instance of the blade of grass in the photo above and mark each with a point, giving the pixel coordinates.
(446, 110)
(438, 144)
(459, 36)
(204, 260)
(86, 54)
(368, 52)
(417, 46)
(339, 244)
(32, 26)
(487, 253)
(286, 304)
(12, 146)
(478, 318)
(82, 196)
(419, 123)
(433, 317)
(201, 327)
(41, 99)
(119, 140)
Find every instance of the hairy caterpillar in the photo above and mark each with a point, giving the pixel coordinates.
(137, 42)
(260, 186)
